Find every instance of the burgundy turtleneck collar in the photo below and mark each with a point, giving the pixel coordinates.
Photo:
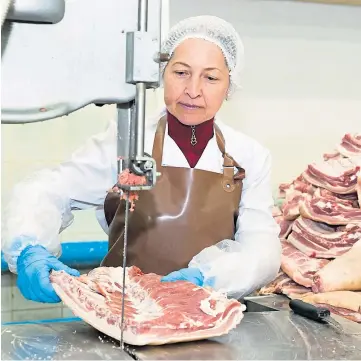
(182, 135)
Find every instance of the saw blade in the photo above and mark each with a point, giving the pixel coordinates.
(124, 262)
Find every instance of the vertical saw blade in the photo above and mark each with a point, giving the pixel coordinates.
(124, 263)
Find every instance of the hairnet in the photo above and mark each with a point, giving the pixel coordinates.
(215, 30)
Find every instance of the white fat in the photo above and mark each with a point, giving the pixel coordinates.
(313, 263)
(147, 308)
(205, 305)
(190, 323)
(323, 204)
(356, 235)
(221, 304)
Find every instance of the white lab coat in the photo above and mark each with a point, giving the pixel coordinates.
(41, 206)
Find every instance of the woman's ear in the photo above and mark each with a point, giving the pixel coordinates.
(163, 66)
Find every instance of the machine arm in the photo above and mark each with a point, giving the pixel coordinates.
(52, 66)
(33, 11)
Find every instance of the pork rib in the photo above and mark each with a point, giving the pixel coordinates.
(293, 193)
(350, 145)
(329, 211)
(282, 284)
(156, 313)
(299, 185)
(358, 189)
(285, 226)
(291, 208)
(336, 175)
(341, 274)
(276, 212)
(332, 155)
(298, 266)
(345, 199)
(320, 240)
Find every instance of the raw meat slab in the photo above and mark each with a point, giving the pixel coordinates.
(350, 145)
(335, 175)
(156, 313)
(282, 284)
(341, 274)
(298, 266)
(319, 240)
(329, 211)
(285, 226)
(358, 189)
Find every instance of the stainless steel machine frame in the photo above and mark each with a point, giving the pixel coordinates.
(53, 65)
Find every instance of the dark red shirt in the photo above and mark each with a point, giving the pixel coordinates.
(182, 135)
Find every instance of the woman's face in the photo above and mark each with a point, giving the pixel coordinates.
(196, 81)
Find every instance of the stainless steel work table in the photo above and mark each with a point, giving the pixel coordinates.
(269, 332)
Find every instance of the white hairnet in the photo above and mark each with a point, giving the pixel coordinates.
(215, 30)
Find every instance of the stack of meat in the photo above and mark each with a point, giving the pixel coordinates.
(320, 221)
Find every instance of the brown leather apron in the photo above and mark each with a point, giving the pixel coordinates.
(187, 211)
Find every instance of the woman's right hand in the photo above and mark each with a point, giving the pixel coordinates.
(34, 266)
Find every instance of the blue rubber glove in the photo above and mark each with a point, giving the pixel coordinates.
(193, 275)
(34, 265)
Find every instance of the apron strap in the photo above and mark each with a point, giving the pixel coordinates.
(229, 178)
(157, 152)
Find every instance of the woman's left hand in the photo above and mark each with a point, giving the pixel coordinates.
(193, 275)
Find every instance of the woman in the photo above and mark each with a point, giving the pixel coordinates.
(184, 228)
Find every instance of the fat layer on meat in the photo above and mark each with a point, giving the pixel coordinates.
(298, 266)
(343, 273)
(329, 211)
(320, 240)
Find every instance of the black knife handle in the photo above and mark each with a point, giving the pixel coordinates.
(310, 311)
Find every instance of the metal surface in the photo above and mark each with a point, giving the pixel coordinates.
(141, 87)
(124, 266)
(52, 70)
(124, 134)
(57, 341)
(267, 303)
(277, 335)
(137, 63)
(37, 11)
(143, 71)
(125, 138)
(272, 335)
(140, 119)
